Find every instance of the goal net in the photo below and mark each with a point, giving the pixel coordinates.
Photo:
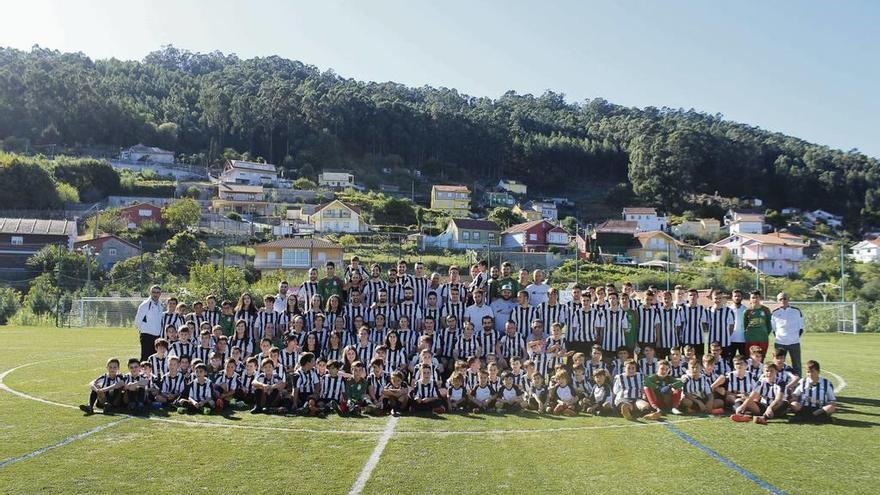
(829, 316)
(103, 312)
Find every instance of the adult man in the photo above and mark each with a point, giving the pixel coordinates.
(504, 279)
(308, 289)
(148, 321)
(476, 311)
(355, 266)
(420, 284)
(738, 337)
(331, 285)
(502, 306)
(537, 289)
(281, 298)
(757, 322)
(787, 323)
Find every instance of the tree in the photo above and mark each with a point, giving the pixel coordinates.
(504, 217)
(30, 177)
(304, 184)
(67, 193)
(68, 267)
(182, 214)
(570, 224)
(210, 278)
(180, 253)
(109, 221)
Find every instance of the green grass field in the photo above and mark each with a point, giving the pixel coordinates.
(440, 454)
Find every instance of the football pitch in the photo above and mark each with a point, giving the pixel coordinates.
(49, 446)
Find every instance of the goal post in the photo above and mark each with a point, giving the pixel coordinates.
(103, 311)
(830, 316)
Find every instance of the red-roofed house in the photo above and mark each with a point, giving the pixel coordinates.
(337, 216)
(137, 214)
(774, 254)
(646, 218)
(537, 235)
(109, 249)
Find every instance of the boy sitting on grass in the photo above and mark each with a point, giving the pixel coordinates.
(813, 399)
(106, 390)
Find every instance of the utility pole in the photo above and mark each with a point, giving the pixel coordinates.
(223, 272)
(577, 256)
(842, 275)
(758, 270)
(141, 269)
(667, 266)
(58, 286)
(87, 250)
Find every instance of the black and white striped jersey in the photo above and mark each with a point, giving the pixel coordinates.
(212, 316)
(306, 381)
(767, 390)
(395, 294)
(420, 290)
(197, 318)
(180, 349)
(514, 346)
(226, 382)
(628, 387)
(614, 329)
(553, 359)
(648, 367)
(172, 385)
(332, 387)
(248, 317)
(378, 382)
(288, 359)
(448, 339)
(305, 292)
(466, 347)
(584, 321)
(364, 351)
(377, 309)
(265, 318)
(677, 370)
(159, 364)
(739, 385)
(592, 367)
(245, 344)
(699, 388)
(445, 289)
(203, 353)
(670, 321)
(246, 382)
(423, 390)
(200, 391)
(488, 342)
(523, 317)
(352, 312)
(310, 317)
(371, 290)
(649, 317)
(395, 359)
(450, 308)
(814, 394)
(411, 310)
(557, 313)
(172, 319)
(434, 314)
(721, 321)
(105, 381)
(694, 318)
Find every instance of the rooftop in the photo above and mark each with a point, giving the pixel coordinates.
(300, 242)
(448, 188)
(37, 226)
(639, 210)
(467, 223)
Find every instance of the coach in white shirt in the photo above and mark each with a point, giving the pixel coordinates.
(281, 298)
(538, 289)
(738, 337)
(149, 322)
(476, 311)
(787, 323)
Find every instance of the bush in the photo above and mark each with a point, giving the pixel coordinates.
(67, 193)
(10, 303)
(348, 240)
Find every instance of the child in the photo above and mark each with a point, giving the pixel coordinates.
(245, 391)
(677, 366)
(648, 364)
(537, 395)
(226, 384)
(554, 347)
(376, 381)
(766, 395)
(697, 395)
(785, 375)
(134, 394)
(471, 376)
(581, 385)
(509, 397)
(601, 395)
(562, 398)
(518, 374)
(332, 388)
(481, 396)
(738, 383)
(663, 392)
(306, 385)
(425, 395)
(159, 360)
(268, 388)
(596, 362)
(618, 364)
(199, 395)
(183, 346)
(755, 362)
(629, 391)
(357, 390)
(456, 394)
(106, 390)
(396, 394)
(756, 322)
(813, 399)
(152, 385)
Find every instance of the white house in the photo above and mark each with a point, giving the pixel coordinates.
(465, 233)
(647, 219)
(830, 219)
(147, 154)
(746, 223)
(337, 216)
(777, 254)
(242, 172)
(335, 179)
(867, 251)
(512, 187)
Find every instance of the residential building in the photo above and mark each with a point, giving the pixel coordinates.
(296, 253)
(455, 200)
(512, 187)
(653, 245)
(21, 238)
(790, 210)
(147, 154)
(537, 235)
(614, 236)
(244, 172)
(243, 199)
(867, 251)
(776, 254)
(536, 210)
(746, 223)
(136, 214)
(753, 201)
(115, 201)
(337, 216)
(465, 233)
(499, 199)
(646, 218)
(109, 249)
(822, 216)
(703, 228)
(335, 179)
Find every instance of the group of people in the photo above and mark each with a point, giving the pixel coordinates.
(408, 342)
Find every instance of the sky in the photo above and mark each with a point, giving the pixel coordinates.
(807, 68)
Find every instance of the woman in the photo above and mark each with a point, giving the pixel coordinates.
(246, 310)
(333, 310)
(241, 339)
(286, 317)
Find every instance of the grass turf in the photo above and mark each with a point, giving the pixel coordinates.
(440, 454)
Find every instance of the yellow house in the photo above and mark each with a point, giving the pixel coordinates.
(292, 253)
(455, 200)
(653, 245)
(704, 228)
(528, 213)
(337, 216)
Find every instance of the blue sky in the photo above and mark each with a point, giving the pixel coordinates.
(806, 68)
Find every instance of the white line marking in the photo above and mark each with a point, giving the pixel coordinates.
(841, 383)
(373, 461)
(62, 443)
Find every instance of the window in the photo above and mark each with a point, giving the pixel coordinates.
(322, 257)
(533, 237)
(272, 256)
(295, 258)
(476, 236)
(465, 235)
(17, 240)
(111, 251)
(491, 235)
(145, 213)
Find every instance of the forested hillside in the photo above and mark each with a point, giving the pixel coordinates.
(292, 114)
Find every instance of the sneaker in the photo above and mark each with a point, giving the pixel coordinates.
(206, 410)
(717, 411)
(653, 416)
(257, 410)
(676, 412)
(761, 420)
(86, 409)
(740, 418)
(395, 413)
(181, 410)
(626, 413)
